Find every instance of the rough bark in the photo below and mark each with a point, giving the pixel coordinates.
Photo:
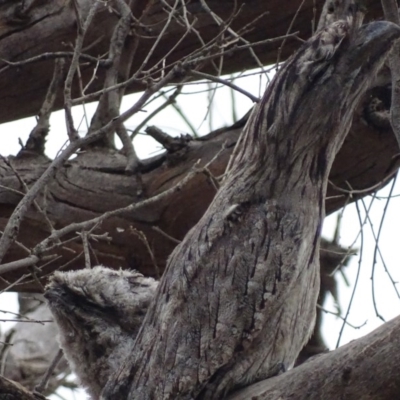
(250, 263)
(97, 182)
(41, 341)
(45, 27)
(365, 369)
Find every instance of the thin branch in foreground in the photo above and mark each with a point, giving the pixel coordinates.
(142, 237)
(191, 61)
(132, 158)
(169, 100)
(54, 55)
(39, 209)
(37, 138)
(202, 75)
(43, 383)
(238, 37)
(72, 133)
(161, 232)
(109, 103)
(85, 243)
(278, 59)
(362, 223)
(336, 314)
(377, 236)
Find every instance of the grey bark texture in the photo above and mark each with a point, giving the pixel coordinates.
(29, 29)
(98, 313)
(96, 181)
(237, 300)
(364, 369)
(238, 210)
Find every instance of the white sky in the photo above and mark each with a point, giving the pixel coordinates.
(195, 108)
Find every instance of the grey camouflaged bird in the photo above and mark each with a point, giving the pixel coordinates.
(237, 301)
(98, 313)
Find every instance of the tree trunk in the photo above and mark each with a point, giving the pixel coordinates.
(367, 166)
(236, 302)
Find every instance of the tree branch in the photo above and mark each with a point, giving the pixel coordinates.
(250, 263)
(366, 369)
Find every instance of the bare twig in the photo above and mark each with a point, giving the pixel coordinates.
(170, 100)
(109, 104)
(26, 189)
(132, 158)
(159, 37)
(54, 55)
(72, 133)
(43, 383)
(142, 237)
(238, 37)
(189, 63)
(85, 243)
(161, 232)
(278, 59)
(336, 314)
(202, 75)
(37, 137)
(362, 191)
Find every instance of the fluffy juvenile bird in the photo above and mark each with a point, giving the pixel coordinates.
(98, 313)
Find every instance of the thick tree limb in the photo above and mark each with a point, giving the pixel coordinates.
(39, 340)
(96, 182)
(365, 369)
(361, 166)
(49, 27)
(352, 370)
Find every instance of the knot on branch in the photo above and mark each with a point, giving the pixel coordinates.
(171, 144)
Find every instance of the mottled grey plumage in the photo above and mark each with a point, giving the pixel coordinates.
(353, 11)
(377, 114)
(98, 313)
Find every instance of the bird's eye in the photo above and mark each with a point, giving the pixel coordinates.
(352, 8)
(332, 6)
